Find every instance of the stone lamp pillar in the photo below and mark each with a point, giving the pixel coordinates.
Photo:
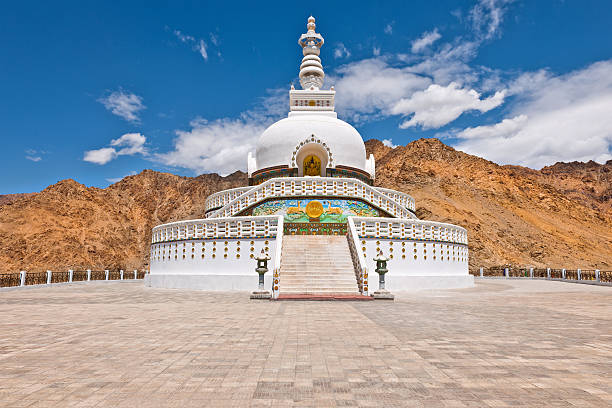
(262, 268)
(381, 270)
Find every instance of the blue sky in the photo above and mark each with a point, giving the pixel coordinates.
(95, 91)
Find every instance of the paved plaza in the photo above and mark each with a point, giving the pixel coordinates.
(504, 343)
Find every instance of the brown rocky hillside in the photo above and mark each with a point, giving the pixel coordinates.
(559, 216)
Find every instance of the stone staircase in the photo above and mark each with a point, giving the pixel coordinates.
(317, 265)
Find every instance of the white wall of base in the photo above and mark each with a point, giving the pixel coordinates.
(220, 283)
(414, 283)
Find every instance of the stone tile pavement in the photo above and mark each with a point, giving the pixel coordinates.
(504, 343)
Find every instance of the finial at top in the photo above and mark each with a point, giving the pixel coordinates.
(311, 70)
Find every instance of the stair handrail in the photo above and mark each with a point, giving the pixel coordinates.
(278, 253)
(361, 270)
(272, 188)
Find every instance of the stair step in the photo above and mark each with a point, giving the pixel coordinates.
(312, 265)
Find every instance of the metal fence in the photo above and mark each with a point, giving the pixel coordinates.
(24, 278)
(593, 275)
(10, 279)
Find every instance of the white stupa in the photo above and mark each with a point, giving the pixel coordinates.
(311, 205)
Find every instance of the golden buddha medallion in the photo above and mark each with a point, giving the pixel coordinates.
(314, 209)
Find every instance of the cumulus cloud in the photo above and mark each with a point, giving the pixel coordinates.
(554, 118)
(127, 145)
(438, 105)
(100, 156)
(389, 28)
(427, 39)
(369, 88)
(389, 143)
(341, 51)
(124, 104)
(222, 145)
(376, 51)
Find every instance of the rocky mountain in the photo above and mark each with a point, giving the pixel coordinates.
(560, 216)
(70, 225)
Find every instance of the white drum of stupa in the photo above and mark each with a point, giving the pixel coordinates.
(309, 175)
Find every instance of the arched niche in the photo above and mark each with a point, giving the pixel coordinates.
(312, 146)
(311, 149)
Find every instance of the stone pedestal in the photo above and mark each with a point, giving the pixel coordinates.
(383, 295)
(261, 294)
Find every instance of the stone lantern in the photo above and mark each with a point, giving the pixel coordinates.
(262, 268)
(381, 270)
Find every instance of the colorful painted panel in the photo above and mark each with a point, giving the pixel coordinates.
(320, 210)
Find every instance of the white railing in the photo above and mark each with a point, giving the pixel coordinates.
(313, 186)
(234, 227)
(404, 199)
(221, 198)
(359, 264)
(409, 229)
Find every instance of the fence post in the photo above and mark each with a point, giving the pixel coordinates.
(481, 271)
(548, 273)
(22, 278)
(531, 273)
(135, 273)
(88, 275)
(579, 273)
(563, 273)
(121, 274)
(506, 272)
(597, 275)
(49, 277)
(106, 274)
(70, 273)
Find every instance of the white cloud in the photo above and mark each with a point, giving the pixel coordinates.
(389, 143)
(486, 17)
(554, 118)
(341, 51)
(100, 156)
(369, 88)
(201, 47)
(124, 104)
(376, 51)
(130, 143)
(218, 146)
(118, 179)
(438, 105)
(222, 145)
(389, 28)
(427, 39)
(183, 37)
(34, 155)
(198, 44)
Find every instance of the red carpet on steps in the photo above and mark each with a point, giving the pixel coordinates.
(323, 297)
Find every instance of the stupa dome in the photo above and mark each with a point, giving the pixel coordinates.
(311, 140)
(286, 141)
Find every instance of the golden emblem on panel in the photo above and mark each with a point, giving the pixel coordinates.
(314, 209)
(312, 166)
